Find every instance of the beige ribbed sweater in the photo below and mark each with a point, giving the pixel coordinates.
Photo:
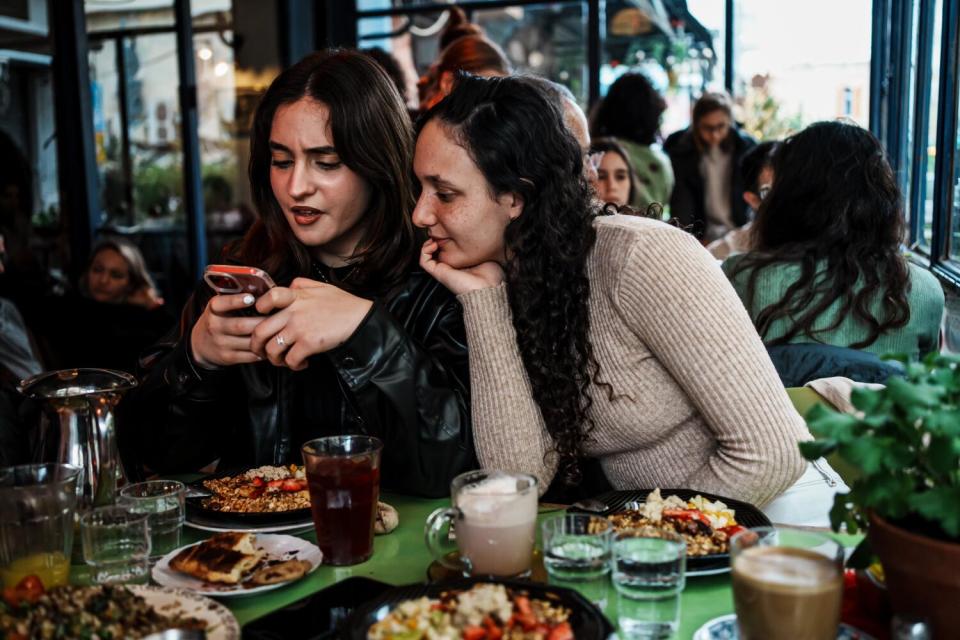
(697, 403)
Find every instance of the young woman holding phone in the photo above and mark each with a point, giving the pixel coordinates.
(355, 338)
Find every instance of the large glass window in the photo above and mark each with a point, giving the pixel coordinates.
(547, 39)
(799, 62)
(681, 53)
(137, 121)
(953, 184)
(926, 211)
(29, 188)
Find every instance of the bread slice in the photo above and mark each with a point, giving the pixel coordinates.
(225, 557)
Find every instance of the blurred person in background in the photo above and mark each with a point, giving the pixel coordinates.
(473, 54)
(826, 266)
(117, 274)
(756, 171)
(631, 112)
(707, 196)
(616, 183)
(114, 314)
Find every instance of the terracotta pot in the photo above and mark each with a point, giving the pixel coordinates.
(922, 575)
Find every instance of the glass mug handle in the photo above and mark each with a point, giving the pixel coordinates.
(436, 534)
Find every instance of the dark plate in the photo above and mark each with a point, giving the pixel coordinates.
(746, 514)
(587, 621)
(319, 616)
(199, 514)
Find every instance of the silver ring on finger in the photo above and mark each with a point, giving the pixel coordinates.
(280, 340)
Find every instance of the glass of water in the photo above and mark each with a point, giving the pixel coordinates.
(116, 545)
(576, 554)
(649, 566)
(162, 501)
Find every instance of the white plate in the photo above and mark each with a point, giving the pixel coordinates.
(221, 625)
(287, 528)
(277, 547)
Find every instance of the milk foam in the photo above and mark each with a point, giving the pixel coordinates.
(772, 566)
(496, 500)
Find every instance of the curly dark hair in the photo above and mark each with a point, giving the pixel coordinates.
(515, 134)
(630, 110)
(834, 200)
(373, 137)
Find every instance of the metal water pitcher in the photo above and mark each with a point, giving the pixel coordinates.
(78, 427)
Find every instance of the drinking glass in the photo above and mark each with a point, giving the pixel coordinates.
(494, 518)
(343, 477)
(162, 501)
(787, 583)
(649, 572)
(576, 554)
(37, 506)
(116, 545)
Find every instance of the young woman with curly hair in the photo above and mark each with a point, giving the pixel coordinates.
(826, 264)
(611, 336)
(631, 113)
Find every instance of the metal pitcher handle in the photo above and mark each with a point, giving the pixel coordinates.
(437, 536)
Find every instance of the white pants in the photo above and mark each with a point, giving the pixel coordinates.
(808, 501)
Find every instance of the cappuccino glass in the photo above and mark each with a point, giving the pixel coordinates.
(493, 518)
(787, 584)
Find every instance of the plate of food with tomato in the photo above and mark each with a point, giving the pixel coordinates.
(266, 495)
(706, 521)
(479, 609)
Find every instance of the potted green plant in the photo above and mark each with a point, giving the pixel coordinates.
(905, 445)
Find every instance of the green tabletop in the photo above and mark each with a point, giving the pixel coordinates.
(402, 558)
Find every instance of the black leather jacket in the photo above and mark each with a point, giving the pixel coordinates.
(402, 376)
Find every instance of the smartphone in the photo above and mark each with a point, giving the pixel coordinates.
(228, 279)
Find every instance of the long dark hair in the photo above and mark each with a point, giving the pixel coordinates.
(516, 136)
(630, 110)
(835, 200)
(373, 137)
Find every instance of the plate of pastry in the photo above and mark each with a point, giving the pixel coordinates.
(238, 563)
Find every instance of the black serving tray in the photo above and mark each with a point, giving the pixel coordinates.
(320, 616)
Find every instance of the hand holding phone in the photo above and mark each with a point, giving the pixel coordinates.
(221, 335)
(228, 279)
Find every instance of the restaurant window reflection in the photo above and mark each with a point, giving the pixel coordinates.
(678, 48)
(29, 188)
(137, 124)
(547, 39)
(800, 63)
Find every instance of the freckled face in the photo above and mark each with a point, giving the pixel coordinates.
(322, 199)
(613, 179)
(456, 206)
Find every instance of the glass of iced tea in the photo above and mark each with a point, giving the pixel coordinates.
(343, 477)
(37, 506)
